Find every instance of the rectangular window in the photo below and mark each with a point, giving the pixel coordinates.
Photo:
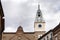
(47, 37)
(56, 38)
(44, 38)
(51, 37)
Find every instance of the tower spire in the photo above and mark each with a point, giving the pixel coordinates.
(38, 6)
(39, 24)
(39, 17)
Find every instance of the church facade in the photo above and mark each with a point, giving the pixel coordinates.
(39, 30)
(21, 35)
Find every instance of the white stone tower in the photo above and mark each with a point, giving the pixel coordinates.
(39, 24)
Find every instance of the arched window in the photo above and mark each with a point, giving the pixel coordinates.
(38, 14)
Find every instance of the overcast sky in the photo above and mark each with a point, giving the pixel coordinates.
(23, 12)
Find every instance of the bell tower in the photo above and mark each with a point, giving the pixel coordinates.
(1, 21)
(39, 24)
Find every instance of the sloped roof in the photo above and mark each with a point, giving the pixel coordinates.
(1, 10)
(45, 34)
(19, 30)
(57, 27)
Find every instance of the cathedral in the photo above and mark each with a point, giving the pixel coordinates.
(39, 28)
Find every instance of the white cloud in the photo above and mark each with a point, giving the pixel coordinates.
(10, 29)
(16, 1)
(22, 12)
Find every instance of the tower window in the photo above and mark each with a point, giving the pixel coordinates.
(38, 14)
(39, 25)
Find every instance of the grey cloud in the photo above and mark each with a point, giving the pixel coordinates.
(23, 13)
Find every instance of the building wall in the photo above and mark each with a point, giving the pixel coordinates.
(47, 37)
(57, 36)
(6, 36)
(26, 36)
(0, 36)
(39, 34)
(56, 33)
(36, 28)
(1, 20)
(0, 24)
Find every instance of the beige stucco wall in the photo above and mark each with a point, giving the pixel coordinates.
(36, 28)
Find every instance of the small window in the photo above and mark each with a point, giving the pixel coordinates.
(51, 37)
(38, 14)
(47, 38)
(56, 38)
(44, 38)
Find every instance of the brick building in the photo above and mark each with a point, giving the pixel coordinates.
(1, 20)
(56, 32)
